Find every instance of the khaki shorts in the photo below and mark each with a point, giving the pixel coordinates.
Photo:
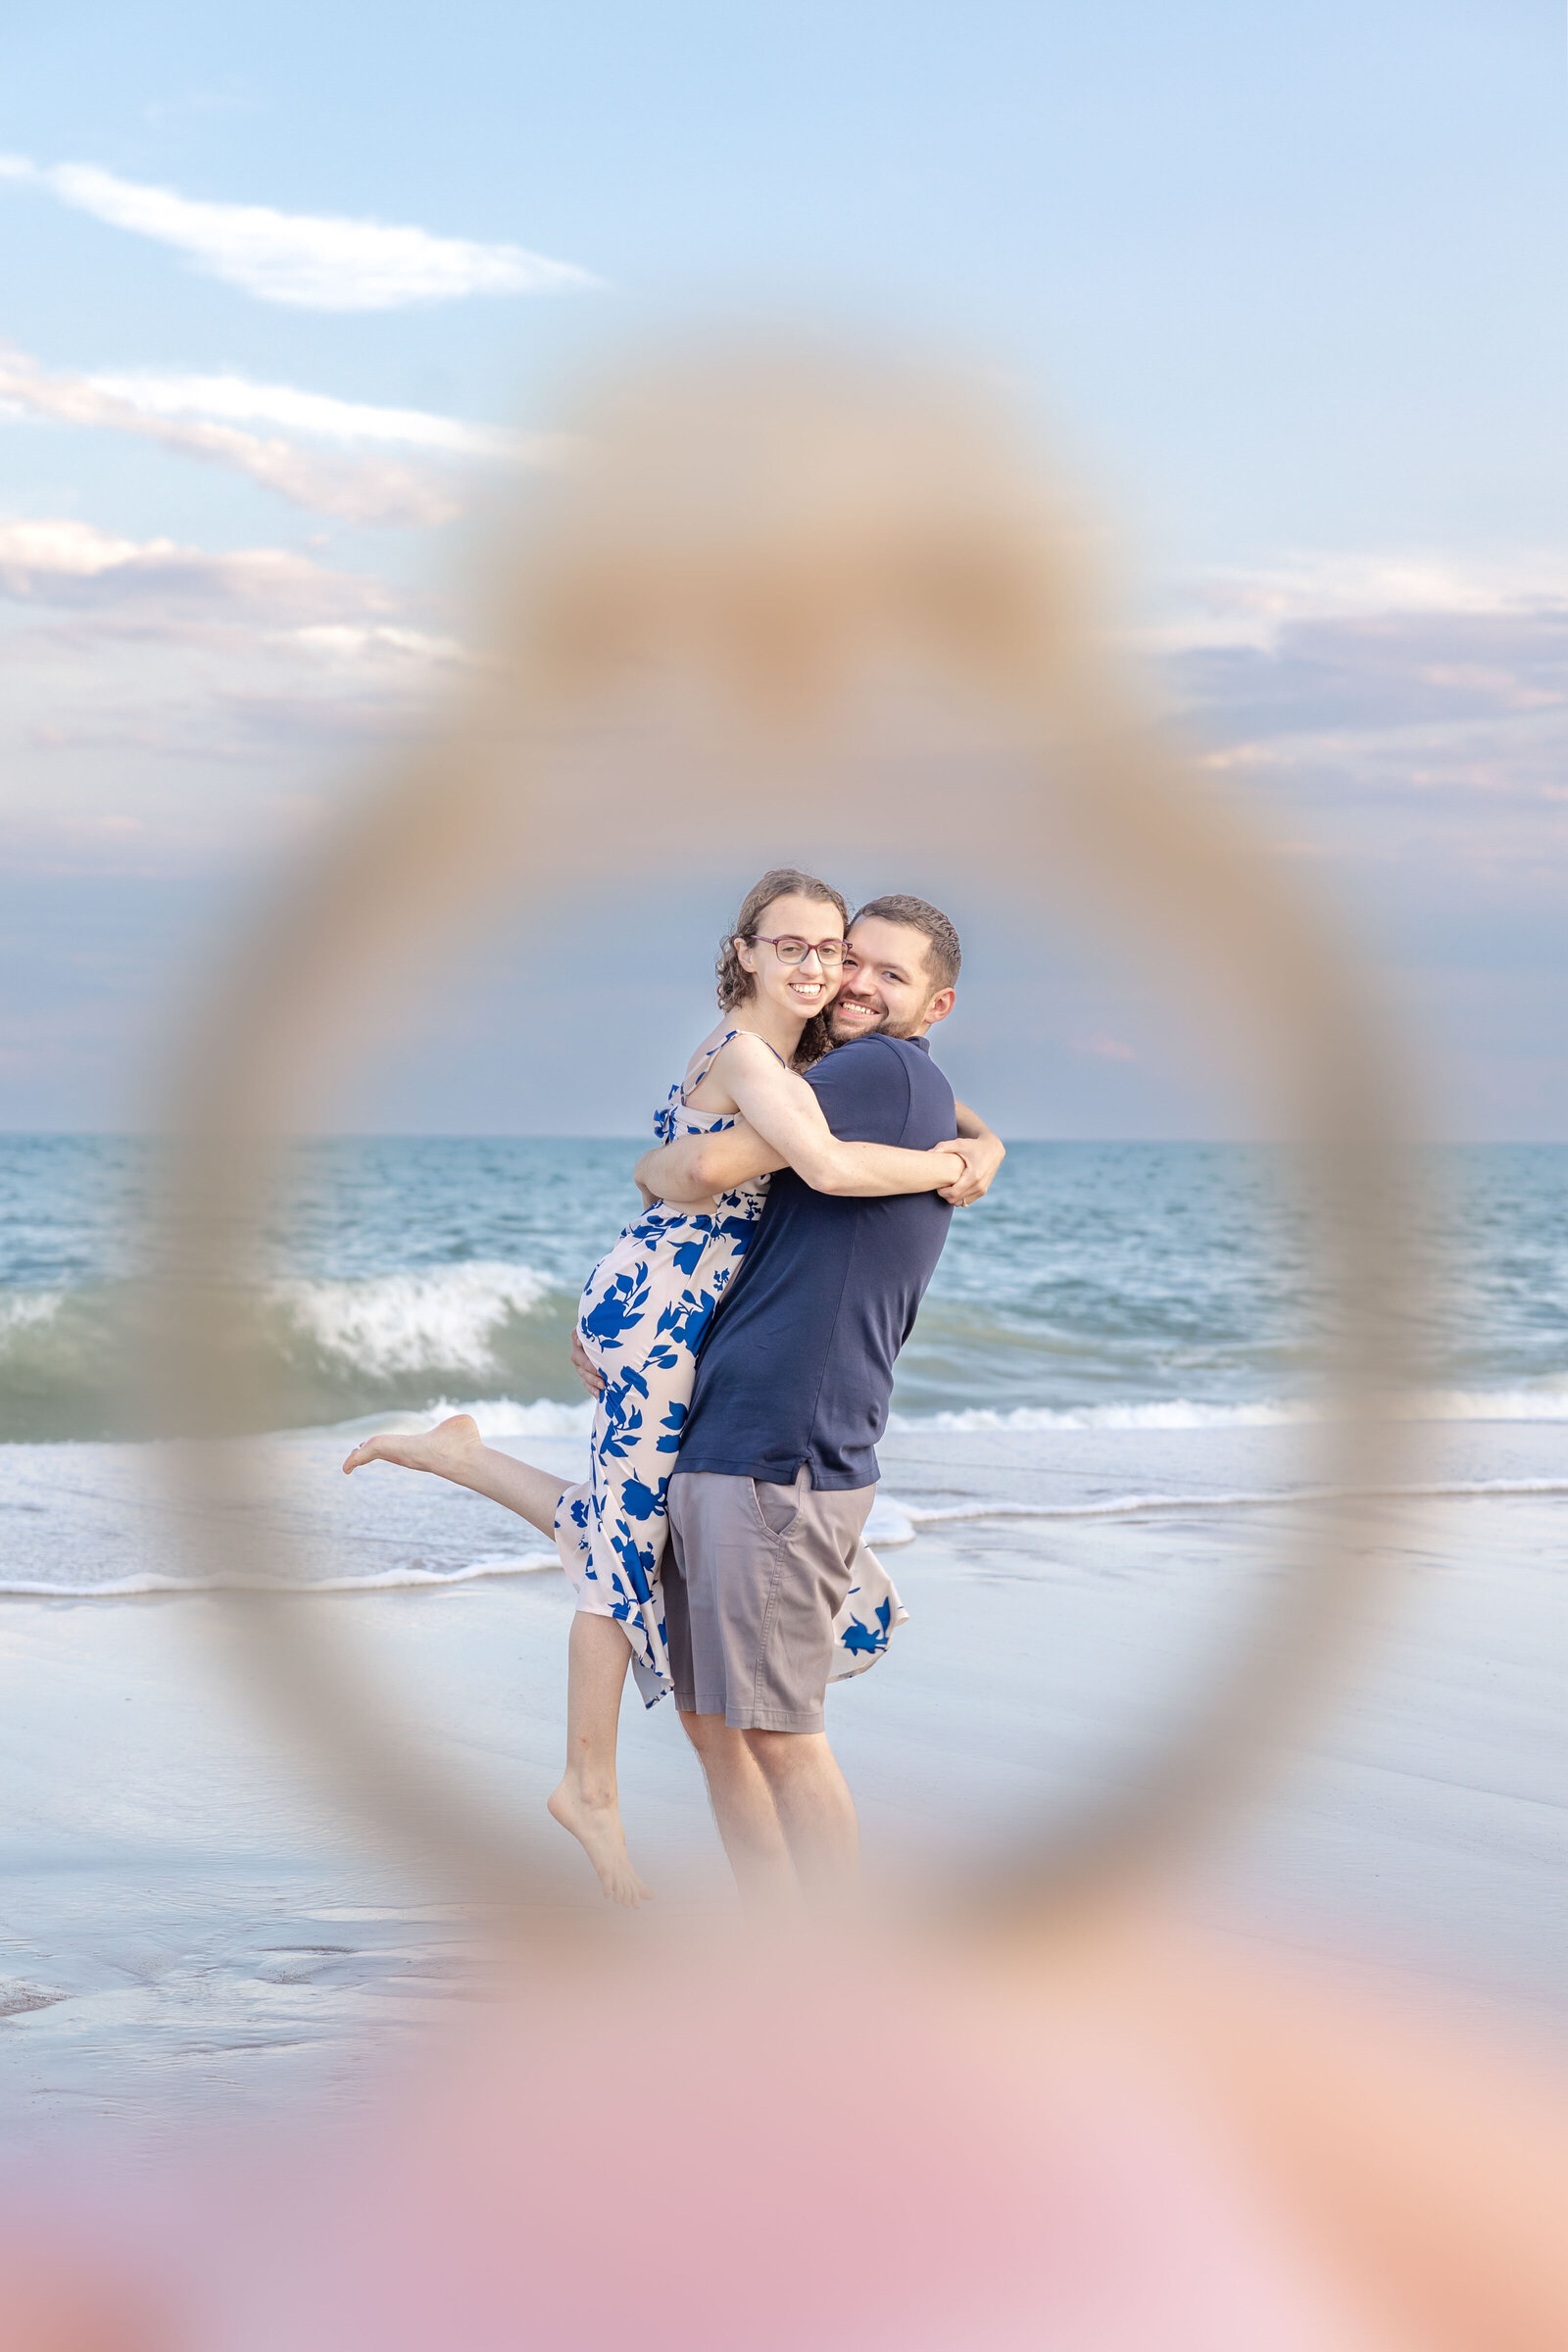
(754, 1577)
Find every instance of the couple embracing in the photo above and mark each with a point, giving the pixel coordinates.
(739, 1339)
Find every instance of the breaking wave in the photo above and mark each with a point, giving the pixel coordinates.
(324, 1348)
(414, 1322)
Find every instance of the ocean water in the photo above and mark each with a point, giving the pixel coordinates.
(1099, 1285)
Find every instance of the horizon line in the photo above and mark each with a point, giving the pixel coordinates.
(520, 1135)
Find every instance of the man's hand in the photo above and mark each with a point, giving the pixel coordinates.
(982, 1155)
(582, 1363)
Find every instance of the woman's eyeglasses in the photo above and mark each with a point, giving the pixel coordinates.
(829, 952)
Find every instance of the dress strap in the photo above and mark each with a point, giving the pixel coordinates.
(706, 1060)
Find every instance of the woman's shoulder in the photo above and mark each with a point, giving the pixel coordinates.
(704, 1055)
(730, 1055)
(706, 1060)
(729, 1041)
(719, 1035)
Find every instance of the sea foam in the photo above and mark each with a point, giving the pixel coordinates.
(1548, 1402)
(497, 1417)
(913, 1516)
(25, 1310)
(385, 1580)
(544, 1417)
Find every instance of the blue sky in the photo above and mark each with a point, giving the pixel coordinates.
(1284, 285)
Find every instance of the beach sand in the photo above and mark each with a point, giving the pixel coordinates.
(191, 1924)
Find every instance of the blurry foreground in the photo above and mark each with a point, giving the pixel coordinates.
(1114, 2138)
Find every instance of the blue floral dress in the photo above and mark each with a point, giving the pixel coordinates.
(644, 1311)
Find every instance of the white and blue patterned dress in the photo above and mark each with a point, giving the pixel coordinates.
(644, 1311)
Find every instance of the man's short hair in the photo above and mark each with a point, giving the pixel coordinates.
(943, 954)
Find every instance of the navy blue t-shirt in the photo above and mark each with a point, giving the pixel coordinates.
(798, 1362)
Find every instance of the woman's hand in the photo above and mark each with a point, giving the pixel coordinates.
(582, 1363)
(982, 1155)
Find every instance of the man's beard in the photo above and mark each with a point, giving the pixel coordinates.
(882, 1028)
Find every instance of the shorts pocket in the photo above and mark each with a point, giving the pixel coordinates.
(777, 1507)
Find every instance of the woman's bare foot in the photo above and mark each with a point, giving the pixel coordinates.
(597, 1830)
(448, 1449)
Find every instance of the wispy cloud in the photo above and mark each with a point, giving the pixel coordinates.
(1339, 683)
(236, 400)
(1439, 674)
(347, 644)
(61, 561)
(313, 261)
(354, 489)
(1237, 608)
(131, 658)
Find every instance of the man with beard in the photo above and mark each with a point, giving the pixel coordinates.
(777, 1467)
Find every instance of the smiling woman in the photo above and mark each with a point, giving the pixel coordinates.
(785, 895)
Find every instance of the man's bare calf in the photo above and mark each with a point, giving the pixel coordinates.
(814, 1809)
(744, 1812)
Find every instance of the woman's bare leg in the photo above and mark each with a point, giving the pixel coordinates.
(586, 1802)
(456, 1451)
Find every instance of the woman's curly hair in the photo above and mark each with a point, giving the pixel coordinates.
(735, 982)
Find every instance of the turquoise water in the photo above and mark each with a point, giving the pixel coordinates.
(1099, 1284)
